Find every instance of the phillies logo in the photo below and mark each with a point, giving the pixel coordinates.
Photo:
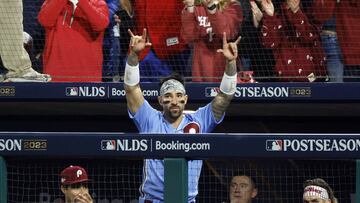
(192, 128)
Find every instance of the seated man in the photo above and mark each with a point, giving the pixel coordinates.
(242, 189)
(318, 191)
(74, 185)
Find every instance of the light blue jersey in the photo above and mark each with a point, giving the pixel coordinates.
(150, 120)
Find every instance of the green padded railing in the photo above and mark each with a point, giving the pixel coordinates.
(3, 181)
(176, 180)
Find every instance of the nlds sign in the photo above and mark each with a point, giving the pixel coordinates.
(125, 145)
(86, 91)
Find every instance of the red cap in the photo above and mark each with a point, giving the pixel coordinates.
(73, 174)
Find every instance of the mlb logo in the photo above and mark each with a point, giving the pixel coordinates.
(211, 91)
(108, 145)
(274, 145)
(72, 91)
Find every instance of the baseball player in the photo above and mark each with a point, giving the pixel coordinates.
(74, 185)
(172, 119)
(317, 190)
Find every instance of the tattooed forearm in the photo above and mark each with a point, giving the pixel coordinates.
(230, 68)
(220, 104)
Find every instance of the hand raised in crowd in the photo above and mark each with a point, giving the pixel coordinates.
(229, 50)
(117, 18)
(138, 43)
(268, 7)
(74, 2)
(83, 198)
(294, 5)
(188, 3)
(209, 2)
(257, 13)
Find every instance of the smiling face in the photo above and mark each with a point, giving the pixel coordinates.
(173, 104)
(242, 190)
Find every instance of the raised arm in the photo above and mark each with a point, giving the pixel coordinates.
(50, 11)
(134, 95)
(228, 83)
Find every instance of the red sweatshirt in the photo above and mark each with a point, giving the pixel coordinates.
(347, 25)
(205, 32)
(73, 47)
(161, 18)
(296, 46)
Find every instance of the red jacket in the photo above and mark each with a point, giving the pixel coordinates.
(73, 47)
(205, 32)
(347, 25)
(296, 46)
(161, 18)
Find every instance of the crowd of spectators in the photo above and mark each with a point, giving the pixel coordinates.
(282, 40)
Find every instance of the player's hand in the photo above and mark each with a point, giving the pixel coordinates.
(83, 198)
(138, 43)
(268, 7)
(229, 50)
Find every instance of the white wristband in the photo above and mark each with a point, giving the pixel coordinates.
(132, 75)
(228, 84)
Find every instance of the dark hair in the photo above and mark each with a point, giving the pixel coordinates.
(321, 183)
(175, 76)
(251, 178)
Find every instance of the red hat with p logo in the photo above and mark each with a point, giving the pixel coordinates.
(73, 174)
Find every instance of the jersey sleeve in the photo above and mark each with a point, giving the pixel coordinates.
(205, 117)
(145, 117)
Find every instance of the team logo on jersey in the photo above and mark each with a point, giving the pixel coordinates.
(192, 128)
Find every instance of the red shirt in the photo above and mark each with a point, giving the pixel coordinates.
(347, 25)
(162, 19)
(205, 32)
(296, 46)
(73, 47)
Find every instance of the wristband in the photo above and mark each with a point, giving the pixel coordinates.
(132, 75)
(228, 84)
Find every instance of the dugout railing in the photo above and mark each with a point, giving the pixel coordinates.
(272, 149)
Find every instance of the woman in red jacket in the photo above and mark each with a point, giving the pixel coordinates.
(203, 26)
(347, 17)
(295, 42)
(74, 37)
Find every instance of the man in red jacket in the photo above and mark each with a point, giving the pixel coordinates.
(74, 37)
(347, 17)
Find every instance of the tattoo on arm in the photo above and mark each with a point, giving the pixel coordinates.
(220, 104)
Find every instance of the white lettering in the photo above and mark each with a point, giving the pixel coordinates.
(10, 145)
(132, 145)
(92, 91)
(262, 92)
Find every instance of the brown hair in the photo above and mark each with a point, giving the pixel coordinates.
(322, 183)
